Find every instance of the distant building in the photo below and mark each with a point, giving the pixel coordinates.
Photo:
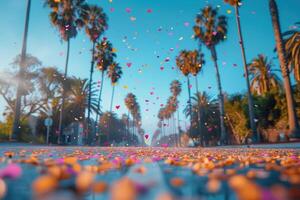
(74, 134)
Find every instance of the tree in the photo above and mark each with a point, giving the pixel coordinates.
(236, 118)
(263, 76)
(209, 110)
(293, 121)
(95, 23)
(176, 89)
(104, 57)
(114, 73)
(182, 62)
(78, 98)
(66, 17)
(17, 108)
(210, 30)
(10, 89)
(112, 127)
(196, 63)
(130, 100)
(292, 46)
(236, 4)
(134, 109)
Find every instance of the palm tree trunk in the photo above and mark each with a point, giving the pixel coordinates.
(112, 97)
(221, 97)
(190, 105)
(199, 123)
(99, 97)
(174, 129)
(90, 93)
(127, 131)
(293, 121)
(60, 126)
(111, 102)
(16, 123)
(250, 100)
(178, 123)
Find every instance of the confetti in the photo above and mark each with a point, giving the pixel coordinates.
(128, 10)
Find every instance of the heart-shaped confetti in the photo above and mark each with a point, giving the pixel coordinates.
(128, 10)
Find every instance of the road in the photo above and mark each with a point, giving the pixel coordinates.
(42, 172)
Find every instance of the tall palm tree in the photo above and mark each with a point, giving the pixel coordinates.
(160, 116)
(182, 62)
(292, 46)
(263, 76)
(196, 64)
(65, 15)
(17, 111)
(114, 73)
(175, 89)
(236, 4)
(104, 57)
(210, 30)
(95, 22)
(293, 121)
(130, 100)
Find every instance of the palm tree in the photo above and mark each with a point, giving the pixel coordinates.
(236, 4)
(95, 22)
(182, 62)
(210, 30)
(17, 112)
(104, 57)
(78, 95)
(175, 89)
(292, 46)
(196, 64)
(293, 121)
(263, 76)
(130, 100)
(66, 17)
(160, 116)
(208, 111)
(114, 73)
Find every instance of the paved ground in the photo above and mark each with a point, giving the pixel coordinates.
(41, 172)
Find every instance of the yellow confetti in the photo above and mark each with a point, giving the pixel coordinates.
(125, 87)
(228, 11)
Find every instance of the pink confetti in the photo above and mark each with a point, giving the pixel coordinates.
(128, 10)
(11, 171)
(149, 10)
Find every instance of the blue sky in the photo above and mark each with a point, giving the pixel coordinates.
(146, 40)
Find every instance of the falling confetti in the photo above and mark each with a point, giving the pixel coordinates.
(128, 10)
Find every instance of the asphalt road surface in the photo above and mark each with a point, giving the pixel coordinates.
(270, 172)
